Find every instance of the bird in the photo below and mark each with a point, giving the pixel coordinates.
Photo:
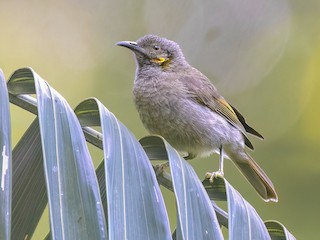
(179, 103)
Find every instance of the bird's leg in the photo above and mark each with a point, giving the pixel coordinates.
(160, 168)
(219, 173)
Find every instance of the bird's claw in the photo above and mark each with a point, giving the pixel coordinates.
(212, 175)
(161, 168)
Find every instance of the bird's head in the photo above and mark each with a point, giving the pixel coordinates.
(156, 52)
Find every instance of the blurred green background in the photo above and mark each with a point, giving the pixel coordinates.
(262, 55)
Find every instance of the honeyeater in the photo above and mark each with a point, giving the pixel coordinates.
(178, 102)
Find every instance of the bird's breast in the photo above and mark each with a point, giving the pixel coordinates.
(166, 109)
(156, 102)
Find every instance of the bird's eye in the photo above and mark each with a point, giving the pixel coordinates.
(155, 47)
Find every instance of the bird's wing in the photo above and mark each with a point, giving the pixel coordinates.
(204, 93)
(245, 125)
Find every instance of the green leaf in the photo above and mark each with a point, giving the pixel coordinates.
(277, 231)
(5, 161)
(74, 199)
(155, 149)
(135, 205)
(29, 195)
(244, 221)
(196, 215)
(216, 190)
(134, 202)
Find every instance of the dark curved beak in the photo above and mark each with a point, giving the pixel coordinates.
(133, 46)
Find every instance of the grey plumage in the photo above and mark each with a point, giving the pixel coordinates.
(179, 103)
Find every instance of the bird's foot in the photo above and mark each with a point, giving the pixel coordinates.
(212, 175)
(161, 168)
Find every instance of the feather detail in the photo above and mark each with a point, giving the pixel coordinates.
(206, 94)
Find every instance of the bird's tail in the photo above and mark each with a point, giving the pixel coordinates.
(256, 177)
